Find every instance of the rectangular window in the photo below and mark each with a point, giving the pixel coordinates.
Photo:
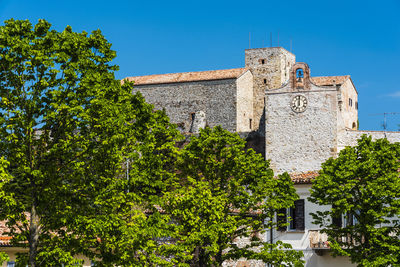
(296, 214)
(11, 264)
(250, 120)
(346, 219)
(281, 220)
(356, 105)
(337, 220)
(350, 102)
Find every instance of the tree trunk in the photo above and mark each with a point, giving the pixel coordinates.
(33, 235)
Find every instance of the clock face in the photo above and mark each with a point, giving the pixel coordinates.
(299, 103)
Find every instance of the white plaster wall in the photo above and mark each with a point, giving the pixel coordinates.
(326, 260)
(300, 240)
(244, 104)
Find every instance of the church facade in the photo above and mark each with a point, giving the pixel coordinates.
(295, 120)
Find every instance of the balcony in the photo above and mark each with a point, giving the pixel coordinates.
(318, 242)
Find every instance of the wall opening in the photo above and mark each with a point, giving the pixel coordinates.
(299, 75)
(250, 120)
(354, 126)
(265, 81)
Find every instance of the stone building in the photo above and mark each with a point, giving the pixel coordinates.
(296, 120)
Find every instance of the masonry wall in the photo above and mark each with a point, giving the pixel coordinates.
(270, 67)
(349, 113)
(349, 138)
(244, 111)
(216, 98)
(300, 142)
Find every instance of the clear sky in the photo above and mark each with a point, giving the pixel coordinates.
(359, 38)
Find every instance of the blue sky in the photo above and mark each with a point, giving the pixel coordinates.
(359, 38)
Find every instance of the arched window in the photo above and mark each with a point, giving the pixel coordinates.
(354, 126)
(299, 74)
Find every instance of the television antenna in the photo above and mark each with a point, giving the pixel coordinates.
(385, 114)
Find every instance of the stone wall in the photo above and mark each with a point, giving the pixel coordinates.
(244, 111)
(300, 142)
(270, 67)
(349, 111)
(349, 138)
(216, 98)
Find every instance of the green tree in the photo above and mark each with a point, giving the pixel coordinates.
(70, 133)
(362, 186)
(225, 194)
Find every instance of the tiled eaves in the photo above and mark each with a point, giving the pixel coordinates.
(329, 80)
(188, 76)
(303, 178)
(5, 241)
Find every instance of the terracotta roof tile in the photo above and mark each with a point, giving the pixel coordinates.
(329, 80)
(5, 241)
(188, 76)
(303, 178)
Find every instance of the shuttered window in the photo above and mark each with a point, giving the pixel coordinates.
(296, 214)
(282, 220)
(337, 220)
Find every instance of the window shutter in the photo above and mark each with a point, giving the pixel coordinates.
(299, 213)
(337, 219)
(281, 220)
(349, 219)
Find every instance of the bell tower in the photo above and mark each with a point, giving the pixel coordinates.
(301, 122)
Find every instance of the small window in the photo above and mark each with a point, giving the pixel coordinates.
(354, 126)
(265, 81)
(296, 214)
(263, 61)
(11, 264)
(356, 105)
(281, 220)
(350, 102)
(346, 219)
(299, 74)
(250, 120)
(337, 220)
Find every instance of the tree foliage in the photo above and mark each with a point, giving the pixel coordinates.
(363, 187)
(88, 168)
(225, 195)
(67, 130)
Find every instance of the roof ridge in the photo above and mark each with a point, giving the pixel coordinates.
(187, 72)
(188, 76)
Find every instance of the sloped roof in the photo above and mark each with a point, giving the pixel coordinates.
(304, 178)
(5, 241)
(188, 76)
(329, 80)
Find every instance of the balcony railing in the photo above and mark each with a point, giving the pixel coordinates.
(318, 240)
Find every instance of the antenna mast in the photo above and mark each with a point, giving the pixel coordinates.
(384, 125)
